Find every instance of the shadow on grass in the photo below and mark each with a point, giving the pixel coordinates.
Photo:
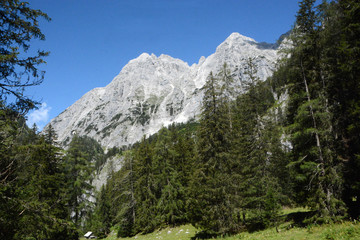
(204, 235)
(299, 218)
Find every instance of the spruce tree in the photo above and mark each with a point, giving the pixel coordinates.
(257, 150)
(19, 24)
(78, 169)
(171, 191)
(145, 189)
(9, 166)
(100, 220)
(125, 197)
(211, 201)
(340, 60)
(309, 119)
(32, 190)
(43, 202)
(227, 90)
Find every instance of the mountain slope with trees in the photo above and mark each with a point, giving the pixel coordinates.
(254, 154)
(231, 171)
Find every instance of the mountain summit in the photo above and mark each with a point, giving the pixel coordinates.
(151, 92)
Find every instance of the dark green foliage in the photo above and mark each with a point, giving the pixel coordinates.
(43, 202)
(145, 188)
(259, 153)
(212, 202)
(344, 89)
(161, 171)
(311, 119)
(125, 202)
(100, 220)
(322, 79)
(19, 24)
(94, 151)
(260, 157)
(239, 178)
(33, 202)
(9, 203)
(78, 170)
(171, 182)
(150, 189)
(113, 152)
(32, 190)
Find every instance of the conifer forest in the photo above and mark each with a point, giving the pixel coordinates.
(231, 170)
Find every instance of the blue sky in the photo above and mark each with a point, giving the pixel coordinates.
(92, 40)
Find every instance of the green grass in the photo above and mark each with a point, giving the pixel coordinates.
(286, 231)
(287, 210)
(345, 231)
(341, 231)
(184, 232)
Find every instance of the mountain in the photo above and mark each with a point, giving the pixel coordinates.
(151, 92)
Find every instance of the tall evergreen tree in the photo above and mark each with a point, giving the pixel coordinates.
(310, 119)
(9, 166)
(126, 198)
(171, 191)
(211, 205)
(101, 218)
(145, 188)
(340, 61)
(43, 203)
(78, 169)
(32, 190)
(257, 150)
(227, 90)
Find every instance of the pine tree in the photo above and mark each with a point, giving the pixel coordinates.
(43, 203)
(50, 135)
(125, 197)
(171, 191)
(211, 203)
(256, 149)
(9, 165)
(78, 170)
(184, 147)
(145, 189)
(227, 90)
(101, 218)
(340, 61)
(310, 120)
(19, 24)
(33, 203)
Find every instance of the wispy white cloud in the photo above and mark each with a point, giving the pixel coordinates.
(39, 116)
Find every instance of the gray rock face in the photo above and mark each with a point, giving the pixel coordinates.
(151, 92)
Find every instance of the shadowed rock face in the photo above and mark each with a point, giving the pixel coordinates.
(151, 92)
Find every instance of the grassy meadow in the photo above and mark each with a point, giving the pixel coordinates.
(288, 230)
(343, 231)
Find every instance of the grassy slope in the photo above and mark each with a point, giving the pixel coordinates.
(345, 231)
(340, 231)
(178, 233)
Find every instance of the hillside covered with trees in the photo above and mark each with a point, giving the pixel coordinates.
(292, 140)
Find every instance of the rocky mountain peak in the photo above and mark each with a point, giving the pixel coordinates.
(151, 92)
(236, 39)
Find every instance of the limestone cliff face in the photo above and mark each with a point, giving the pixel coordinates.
(151, 92)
